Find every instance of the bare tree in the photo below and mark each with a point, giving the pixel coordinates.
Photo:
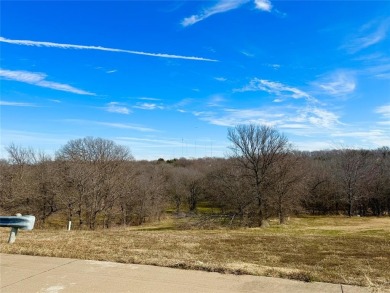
(90, 149)
(229, 190)
(31, 189)
(353, 173)
(321, 194)
(149, 195)
(98, 160)
(194, 189)
(176, 187)
(21, 156)
(44, 199)
(256, 149)
(288, 185)
(374, 191)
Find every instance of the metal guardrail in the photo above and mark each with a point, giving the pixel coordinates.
(17, 222)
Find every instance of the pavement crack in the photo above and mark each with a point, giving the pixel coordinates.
(74, 260)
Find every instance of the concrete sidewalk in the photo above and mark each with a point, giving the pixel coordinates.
(20, 273)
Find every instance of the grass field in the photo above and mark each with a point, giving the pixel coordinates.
(328, 249)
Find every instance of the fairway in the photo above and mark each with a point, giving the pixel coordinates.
(343, 250)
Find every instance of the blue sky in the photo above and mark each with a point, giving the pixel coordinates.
(168, 78)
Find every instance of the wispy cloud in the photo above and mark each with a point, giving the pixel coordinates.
(149, 99)
(99, 48)
(381, 71)
(148, 106)
(316, 117)
(368, 35)
(275, 88)
(111, 125)
(313, 145)
(115, 107)
(274, 66)
(264, 5)
(247, 54)
(16, 104)
(338, 83)
(150, 142)
(111, 71)
(305, 120)
(224, 6)
(39, 79)
(230, 117)
(321, 117)
(384, 112)
(220, 7)
(216, 101)
(220, 78)
(370, 137)
(126, 126)
(54, 101)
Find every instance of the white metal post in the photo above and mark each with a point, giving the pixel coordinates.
(14, 232)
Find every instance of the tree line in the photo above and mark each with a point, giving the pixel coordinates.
(95, 182)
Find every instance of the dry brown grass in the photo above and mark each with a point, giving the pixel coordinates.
(328, 249)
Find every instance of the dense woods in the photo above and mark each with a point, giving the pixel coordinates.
(94, 182)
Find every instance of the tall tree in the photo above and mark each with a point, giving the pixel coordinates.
(288, 185)
(256, 149)
(353, 172)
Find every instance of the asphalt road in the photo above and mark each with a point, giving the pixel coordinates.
(20, 273)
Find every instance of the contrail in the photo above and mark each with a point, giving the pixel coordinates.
(99, 48)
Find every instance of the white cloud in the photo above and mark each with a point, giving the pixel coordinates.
(368, 35)
(293, 126)
(383, 75)
(274, 66)
(16, 104)
(224, 6)
(111, 71)
(275, 88)
(338, 83)
(153, 143)
(384, 111)
(313, 145)
(115, 107)
(54, 101)
(247, 54)
(149, 99)
(82, 47)
(215, 101)
(232, 117)
(322, 118)
(220, 78)
(264, 5)
(381, 70)
(148, 106)
(39, 79)
(111, 124)
(220, 7)
(126, 126)
(373, 137)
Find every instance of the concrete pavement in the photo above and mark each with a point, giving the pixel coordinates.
(20, 273)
